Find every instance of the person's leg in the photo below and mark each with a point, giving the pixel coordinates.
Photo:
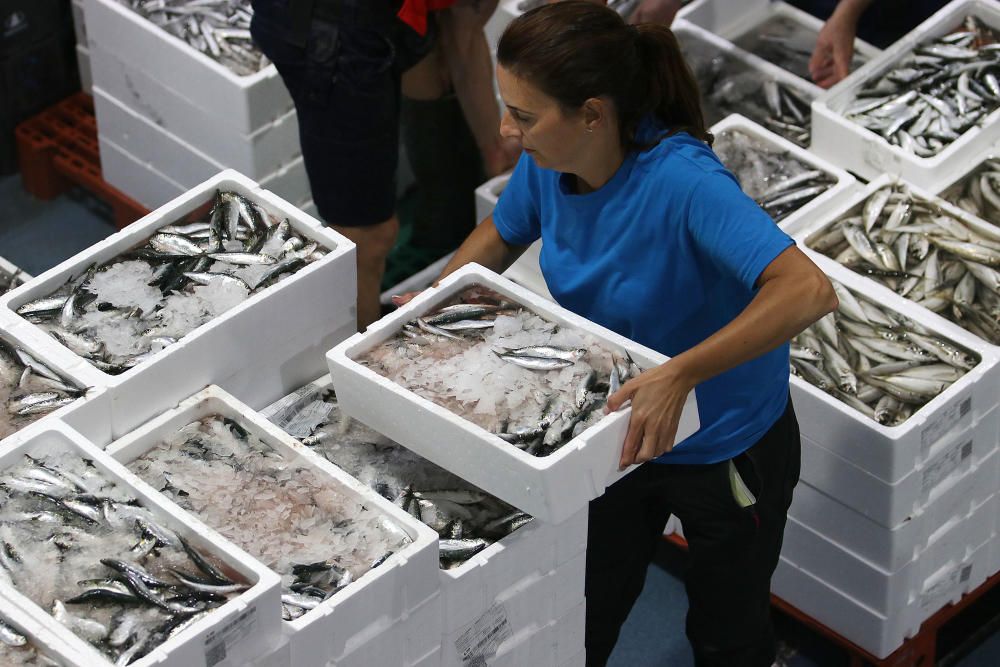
(373, 245)
(626, 523)
(734, 549)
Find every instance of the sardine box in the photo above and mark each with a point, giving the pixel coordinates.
(845, 182)
(866, 153)
(525, 271)
(378, 599)
(246, 102)
(550, 488)
(267, 345)
(40, 635)
(239, 630)
(721, 16)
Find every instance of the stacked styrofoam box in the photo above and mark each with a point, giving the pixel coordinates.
(844, 182)
(267, 345)
(82, 50)
(550, 488)
(377, 600)
(531, 582)
(525, 271)
(240, 630)
(758, 13)
(866, 153)
(179, 116)
(721, 16)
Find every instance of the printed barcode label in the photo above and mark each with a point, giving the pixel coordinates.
(967, 450)
(966, 407)
(219, 641)
(943, 423)
(941, 467)
(966, 573)
(481, 639)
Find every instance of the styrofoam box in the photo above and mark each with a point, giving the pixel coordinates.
(866, 153)
(890, 453)
(264, 346)
(884, 591)
(181, 162)
(950, 463)
(8, 269)
(377, 599)
(79, 24)
(39, 635)
(138, 179)
(83, 66)
(550, 488)
(255, 154)
(844, 181)
(506, 11)
(408, 641)
(761, 12)
(891, 548)
(879, 634)
(721, 16)
(241, 629)
(247, 102)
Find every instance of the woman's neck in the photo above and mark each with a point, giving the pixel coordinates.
(600, 166)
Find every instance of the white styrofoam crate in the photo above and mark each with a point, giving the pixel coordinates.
(952, 462)
(85, 69)
(184, 163)
(844, 181)
(246, 626)
(506, 11)
(139, 180)
(254, 154)
(8, 269)
(39, 635)
(264, 346)
(550, 488)
(885, 592)
(892, 452)
(759, 13)
(247, 102)
(869, 155)
(79, 24)
(721, 16)
(488, 194)
(379, 598)
(891, 548)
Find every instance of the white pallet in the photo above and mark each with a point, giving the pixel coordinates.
(759, 13)
(247, 103)
(83, 65)
(525, 271)
(844, 182)
(254, 154)
(376, 600)
(550, 488)
(178, 160)
(884, 591)
(40, 635)
(264, 346)
(248, 625)
(892, 452)
(867, 153)
(721, 16)
(890, 549)
(879, 634)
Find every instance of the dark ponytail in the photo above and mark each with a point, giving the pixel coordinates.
(576, 50)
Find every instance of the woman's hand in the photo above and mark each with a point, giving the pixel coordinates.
(400, 300)
(657, 396)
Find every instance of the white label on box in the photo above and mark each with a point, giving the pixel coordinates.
(940, 585)
(219, 641)
(943, 466)
(483, 637)
(944, 422)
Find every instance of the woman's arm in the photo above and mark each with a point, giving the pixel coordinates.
(793, 293)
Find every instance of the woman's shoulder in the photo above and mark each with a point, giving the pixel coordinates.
(682, 158)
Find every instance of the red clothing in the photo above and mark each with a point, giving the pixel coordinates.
(414, 12)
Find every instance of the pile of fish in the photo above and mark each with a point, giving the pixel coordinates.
(466, 518)
(17, 651)
(916, 248)
(218, 28)
(294, 519)
(529, 381)
(729, 85)
(9, 281)
(77, 544)
(29, 389)
(120, 313)
(786, 43)
(978, 192)
(776, 180)
(879, 362)
(929, 99)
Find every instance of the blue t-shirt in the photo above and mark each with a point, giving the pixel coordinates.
(666, 253)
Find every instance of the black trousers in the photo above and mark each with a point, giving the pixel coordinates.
(734, 548)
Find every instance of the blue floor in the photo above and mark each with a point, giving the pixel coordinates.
(38, 235)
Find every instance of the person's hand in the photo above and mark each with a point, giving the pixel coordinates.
(399, 300)
(657, 396)
(655, 11)
(831, 59)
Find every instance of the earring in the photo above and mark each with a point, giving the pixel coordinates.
(590, 129)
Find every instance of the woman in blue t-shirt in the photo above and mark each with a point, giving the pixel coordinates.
(646, 233)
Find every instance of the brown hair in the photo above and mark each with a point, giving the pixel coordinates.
(576, 50)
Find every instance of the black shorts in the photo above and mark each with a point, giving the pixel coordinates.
(345, 83)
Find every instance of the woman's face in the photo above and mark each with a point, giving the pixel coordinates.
(554, 139)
